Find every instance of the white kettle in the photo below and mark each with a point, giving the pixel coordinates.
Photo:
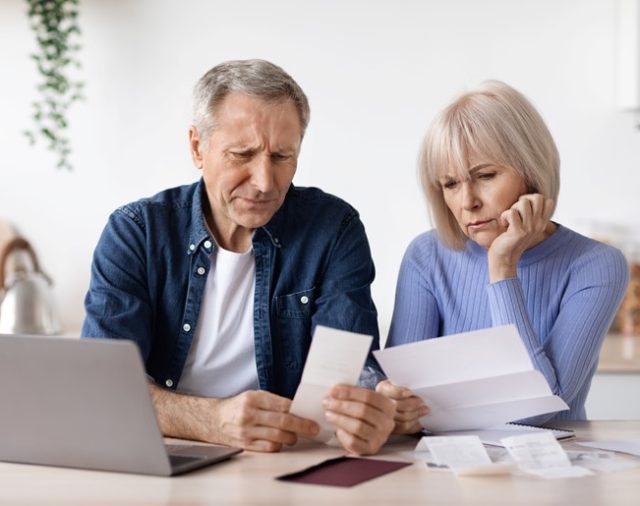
(26, 305)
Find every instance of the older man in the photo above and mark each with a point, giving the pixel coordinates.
(222, 282)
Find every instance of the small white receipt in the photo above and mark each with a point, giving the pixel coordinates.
(464, 454)
(541, 454)
(335, 357)
(457, 451)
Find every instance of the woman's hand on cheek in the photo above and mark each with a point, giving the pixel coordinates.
(525, 223)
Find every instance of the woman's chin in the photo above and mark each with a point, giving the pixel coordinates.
(483, 239)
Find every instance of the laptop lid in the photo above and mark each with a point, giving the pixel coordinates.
(83, 403)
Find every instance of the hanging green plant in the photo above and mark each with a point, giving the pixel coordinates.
(55, 25)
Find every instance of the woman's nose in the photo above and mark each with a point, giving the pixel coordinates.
(469, 197)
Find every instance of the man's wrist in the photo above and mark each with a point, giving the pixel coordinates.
(186, 416)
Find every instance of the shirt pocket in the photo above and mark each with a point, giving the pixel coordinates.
(296, 305)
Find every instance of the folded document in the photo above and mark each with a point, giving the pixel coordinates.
(472, 380)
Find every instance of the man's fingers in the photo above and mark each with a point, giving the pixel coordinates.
(265, 400)
(393, 391)
(358, 395)
(412, 404)
(407, 427)
(267, 409)
(260, 421)
(287, 422)
(361, 420)
(264, 433)
(355, 444)
(411, 415)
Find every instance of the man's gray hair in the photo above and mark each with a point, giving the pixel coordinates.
(256, 78)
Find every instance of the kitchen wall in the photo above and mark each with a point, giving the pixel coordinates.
(375, 72)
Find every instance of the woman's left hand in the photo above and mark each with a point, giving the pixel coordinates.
(526, 223)
(409, 407)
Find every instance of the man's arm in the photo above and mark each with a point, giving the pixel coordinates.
(363, 418)
(253, 420)
(118, 306)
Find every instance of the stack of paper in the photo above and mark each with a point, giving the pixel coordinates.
(472, 380)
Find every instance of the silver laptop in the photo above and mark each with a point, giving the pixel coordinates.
(85, 403)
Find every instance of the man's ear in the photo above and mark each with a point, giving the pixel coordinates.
(195, 147)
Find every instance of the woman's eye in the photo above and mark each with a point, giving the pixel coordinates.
(449, 185)
(485, 176)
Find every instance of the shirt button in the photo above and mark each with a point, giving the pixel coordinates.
(186, 327)
(192, 247)
(201, 270)
(304, 299)
(207, 244)
(169, 383)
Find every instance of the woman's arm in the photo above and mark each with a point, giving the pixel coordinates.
(415, 317)
(567, 356)
(415, 312)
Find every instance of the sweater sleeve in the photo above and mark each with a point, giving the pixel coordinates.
(568, 355)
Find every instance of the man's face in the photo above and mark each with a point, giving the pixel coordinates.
(247, 165)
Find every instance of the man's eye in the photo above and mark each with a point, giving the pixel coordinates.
(241, 155)
(280, 156)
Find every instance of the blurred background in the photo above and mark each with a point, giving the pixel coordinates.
(375, 72)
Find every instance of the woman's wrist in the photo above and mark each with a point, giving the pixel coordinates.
(499, 271)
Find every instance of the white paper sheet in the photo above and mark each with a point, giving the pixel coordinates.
(335, 357)
(471, 380)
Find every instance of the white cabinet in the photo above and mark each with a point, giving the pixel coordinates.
(614, 396)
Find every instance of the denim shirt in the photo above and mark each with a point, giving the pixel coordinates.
(313, 267)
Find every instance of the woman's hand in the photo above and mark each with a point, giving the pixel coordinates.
(526, 223)
(409, 407)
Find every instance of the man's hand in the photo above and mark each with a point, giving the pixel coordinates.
(409, 407)
(363, 418)
(253, 420)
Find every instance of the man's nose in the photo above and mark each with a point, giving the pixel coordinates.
(262, 174)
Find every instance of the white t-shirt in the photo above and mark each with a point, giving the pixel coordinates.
(222, 359)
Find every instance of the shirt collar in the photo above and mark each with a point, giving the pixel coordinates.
(200, 232)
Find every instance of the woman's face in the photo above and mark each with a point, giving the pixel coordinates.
(477, 200)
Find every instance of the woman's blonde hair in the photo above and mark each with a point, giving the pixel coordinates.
(498, 124)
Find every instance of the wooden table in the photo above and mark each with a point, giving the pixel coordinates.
(248, 479)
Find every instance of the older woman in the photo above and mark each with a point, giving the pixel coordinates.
(490, 173)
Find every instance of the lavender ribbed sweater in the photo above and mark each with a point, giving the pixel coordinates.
(562, 302)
